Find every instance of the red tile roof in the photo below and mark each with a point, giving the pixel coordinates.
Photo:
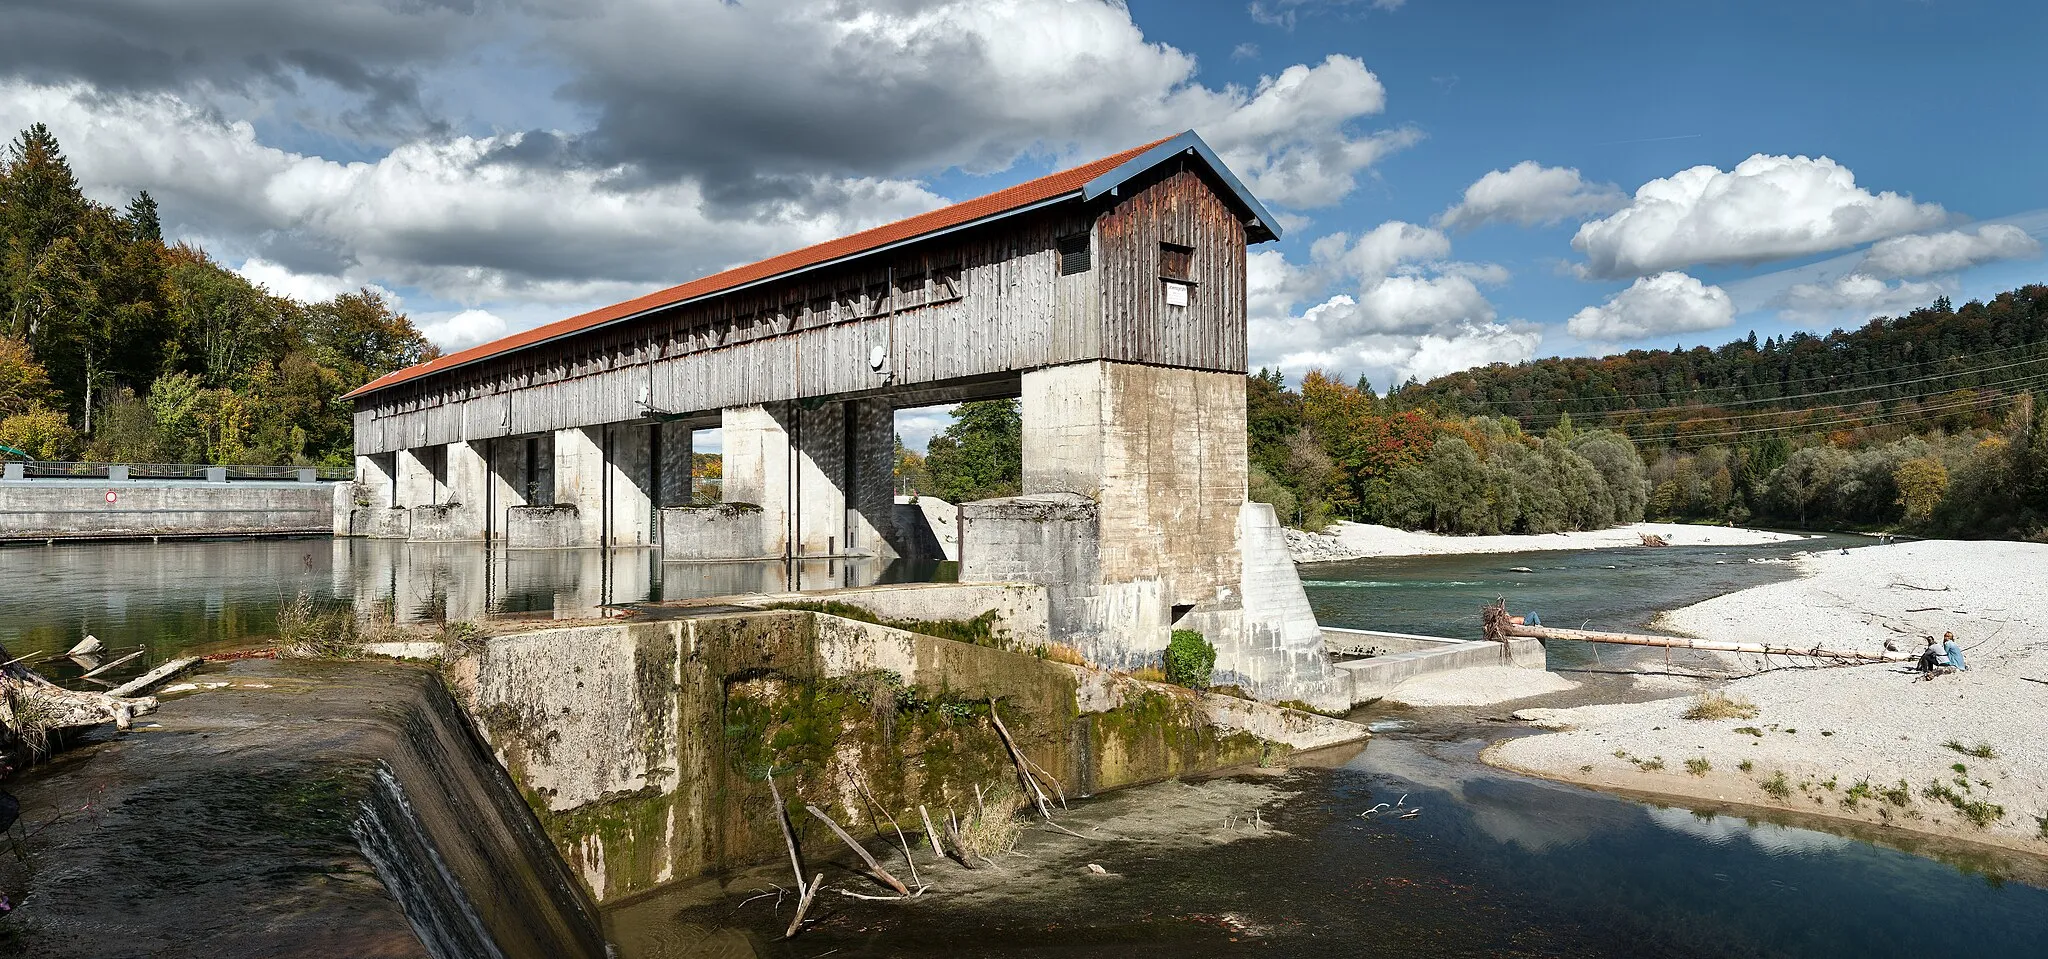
(1024, 194)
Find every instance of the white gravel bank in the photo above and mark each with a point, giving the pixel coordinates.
(1827, 730)
(1478, 686)
(1362, 540)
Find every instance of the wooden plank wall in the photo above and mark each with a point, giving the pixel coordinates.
(1178, 207)
(983, 301)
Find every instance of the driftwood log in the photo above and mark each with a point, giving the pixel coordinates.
(865, 856)
(32, 707)
(1501, 627)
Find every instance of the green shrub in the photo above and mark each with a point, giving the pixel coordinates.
(1777, 786)
(1190, 660)
(1698, 766)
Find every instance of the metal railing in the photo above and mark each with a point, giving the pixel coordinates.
(49, 469)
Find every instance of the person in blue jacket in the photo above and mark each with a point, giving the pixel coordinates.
(1955, 652)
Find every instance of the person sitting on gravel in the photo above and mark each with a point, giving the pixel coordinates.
(1955, 652)
(1932, 658)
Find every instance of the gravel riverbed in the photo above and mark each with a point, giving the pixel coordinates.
(1962, 756)
(1346, 541)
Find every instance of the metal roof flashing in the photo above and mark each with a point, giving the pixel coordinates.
(1260, 227)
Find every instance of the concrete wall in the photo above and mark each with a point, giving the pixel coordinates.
(733, 531)
(1373, 678)
(643, 746)
(756, 453)
(1163, 453)
(1021, 618)
(1052, 539)
(544, 527)
(579, 482)
(1266, 637)
(58, 508)
(927, 529)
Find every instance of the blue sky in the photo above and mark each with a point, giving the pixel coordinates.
(1639, 174)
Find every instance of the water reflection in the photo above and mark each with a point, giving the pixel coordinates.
(1772, 838)
(203, 596)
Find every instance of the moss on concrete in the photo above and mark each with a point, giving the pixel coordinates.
(979, 631)
(731, 699)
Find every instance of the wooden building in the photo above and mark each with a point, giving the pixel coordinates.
(1135, 258)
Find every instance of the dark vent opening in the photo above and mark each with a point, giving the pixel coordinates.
(1176, 262)
(1074, 255)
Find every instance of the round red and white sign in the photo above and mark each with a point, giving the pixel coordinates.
(110, 497)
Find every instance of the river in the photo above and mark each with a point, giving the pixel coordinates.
(1496, 864)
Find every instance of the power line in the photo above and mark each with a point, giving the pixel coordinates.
(1616, 397)
(1892, 418)
(2026, 381)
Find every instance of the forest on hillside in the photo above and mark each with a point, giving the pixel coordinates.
(1924, 423)
(117, 346)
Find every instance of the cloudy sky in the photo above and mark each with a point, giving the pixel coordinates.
(1461, 181)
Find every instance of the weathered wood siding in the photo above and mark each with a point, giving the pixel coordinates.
(983, 301)
(1177, 207)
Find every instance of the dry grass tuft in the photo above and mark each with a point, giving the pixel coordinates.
(28, 718)
(306, 630)
(991, 829)
(1062, 653)
(1150, 674)
(1713, 705)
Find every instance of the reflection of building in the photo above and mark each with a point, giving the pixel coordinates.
(431, 582)
(1110, 297)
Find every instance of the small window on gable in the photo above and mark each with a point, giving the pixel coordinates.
(1176, 262)
(1074, 254)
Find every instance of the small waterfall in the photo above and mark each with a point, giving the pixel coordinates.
(396, 842)
(450, 837)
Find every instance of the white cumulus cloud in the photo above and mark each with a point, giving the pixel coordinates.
(1925, 254)
(1531, 194)
(1858, 293)
(1402, 308)
(464, 329)
(305, 287)
(1669, 302)
(1767, 208)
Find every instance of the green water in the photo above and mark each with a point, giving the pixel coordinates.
(197, 597)
(1494, 865)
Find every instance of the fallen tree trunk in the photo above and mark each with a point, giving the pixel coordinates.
(32, 708)
(1500, 627)
(867, 857)
(153, 677)
(95, 671)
